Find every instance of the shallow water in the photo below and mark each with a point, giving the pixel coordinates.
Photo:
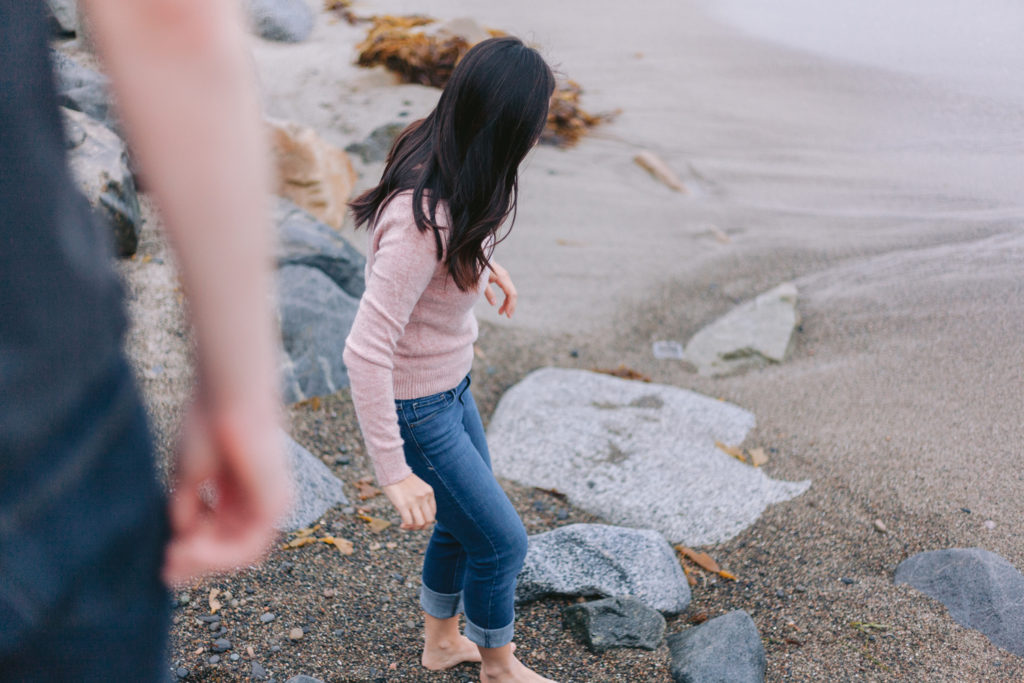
(975, 45)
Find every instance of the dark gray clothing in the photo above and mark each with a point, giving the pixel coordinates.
(83, 519)
(61, 319)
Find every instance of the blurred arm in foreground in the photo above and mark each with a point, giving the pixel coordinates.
(186, 93)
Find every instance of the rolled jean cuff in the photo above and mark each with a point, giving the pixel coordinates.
(489, 637)
(440, 605)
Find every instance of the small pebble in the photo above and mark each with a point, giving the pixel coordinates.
(539, 506)
(267, 617)
(258, 672)
(209, 618)
(214, 626)
(398, 578)
(214, 659)
(348, 510)
(562, 514)
(966, 511)
(780, 593)
(221, 644)
(275, 648)
(234, 603)
(330, 592)
(338, 633)
(848, 582)
(250, 591)
(799, 589)
(184, 599)
(989, 524)
(574, 353)
(235, 657)
(295, 634)
(880, 527)
(181, 672)
(176, 620)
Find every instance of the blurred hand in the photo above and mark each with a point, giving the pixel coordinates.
(500, 277)
(231, 484)
(414, 500)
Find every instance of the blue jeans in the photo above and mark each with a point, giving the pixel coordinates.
(479, 543)
(83, 525)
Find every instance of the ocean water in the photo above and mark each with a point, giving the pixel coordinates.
(974, 45)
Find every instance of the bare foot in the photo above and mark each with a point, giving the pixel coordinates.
(449, 652)
(510, 671)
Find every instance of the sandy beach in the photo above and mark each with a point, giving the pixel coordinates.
(891, 196)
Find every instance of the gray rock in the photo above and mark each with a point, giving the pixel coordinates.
(99, 163)
(63, 17)
(214, 659)
(604, 561)
(221, 645)
(305, 241)
(726, 649)
(636, 454)
(377, 144)
(286, 21)
(753, 334)
(303, 678)
(267, 617)
(181, 672)
(615, 622)
(316, 316)
(980, 589)
(258, 672)
(315, 488)
(83, 89)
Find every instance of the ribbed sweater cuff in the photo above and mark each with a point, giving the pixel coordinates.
(390, 467)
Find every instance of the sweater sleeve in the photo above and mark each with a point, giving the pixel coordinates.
(404, 263)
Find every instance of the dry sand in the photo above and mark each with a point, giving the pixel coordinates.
(892, 201)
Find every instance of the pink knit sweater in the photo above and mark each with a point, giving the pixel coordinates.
(412, 336)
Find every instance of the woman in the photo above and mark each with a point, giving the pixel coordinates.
(449, 184)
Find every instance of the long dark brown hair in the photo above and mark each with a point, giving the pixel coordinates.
(467, 152)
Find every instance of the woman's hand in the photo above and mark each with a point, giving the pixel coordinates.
(500, 277)
(414, 500)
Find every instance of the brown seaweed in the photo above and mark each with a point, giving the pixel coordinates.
(400, 44)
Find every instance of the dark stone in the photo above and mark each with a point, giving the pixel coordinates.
(83, 89)
(99, 163)
(63, 16)
(209, 618)
(316, 316)
(615, 622)
(377, 144)
(286, 21)
(305, 241)
(848, 582)
(221, 645)
(980, 589)
(726, 649)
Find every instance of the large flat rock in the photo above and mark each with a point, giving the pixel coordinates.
(980, 589)
(637, 454)
(753, 334)
(598, 560)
